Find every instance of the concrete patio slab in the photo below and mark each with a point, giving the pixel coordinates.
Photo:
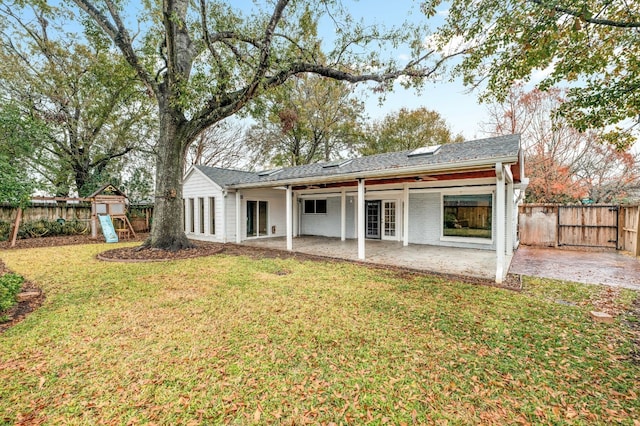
(443, 260)
(608, 268)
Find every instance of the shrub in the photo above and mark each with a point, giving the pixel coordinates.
(10, 285)
(47, 228)
(5, 229)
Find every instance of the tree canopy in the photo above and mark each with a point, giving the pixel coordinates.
(306, 120)
(94, 108)
(17, 134)
(592, 45)
(406, 129)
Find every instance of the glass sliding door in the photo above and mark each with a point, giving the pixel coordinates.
(257, 218)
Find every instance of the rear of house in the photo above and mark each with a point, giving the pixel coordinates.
(457, 195)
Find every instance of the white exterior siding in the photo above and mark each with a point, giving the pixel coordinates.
(328, 224)
(197, 186)
(276, 210)
(424, 218)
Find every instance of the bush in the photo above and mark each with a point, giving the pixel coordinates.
(10, 285)
(46, 228)
(5, 229)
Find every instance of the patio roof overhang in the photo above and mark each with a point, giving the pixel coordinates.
(461, 170)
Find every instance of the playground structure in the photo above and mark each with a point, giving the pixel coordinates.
(108, 200)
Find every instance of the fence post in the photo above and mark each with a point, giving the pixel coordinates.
(621, 226)
(16, 226)
(637, 250)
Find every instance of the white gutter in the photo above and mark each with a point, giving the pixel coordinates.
(395, 172)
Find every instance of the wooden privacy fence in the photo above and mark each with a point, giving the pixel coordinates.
(141, 214)
(598, 226)
(49, 211)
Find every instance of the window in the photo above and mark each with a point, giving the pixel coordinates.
(192, 226)
(315, 206)
(184, 215)
(201, 214)
(467, 216)
(212, 215)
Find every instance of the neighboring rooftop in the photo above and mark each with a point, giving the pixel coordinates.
(496, 148)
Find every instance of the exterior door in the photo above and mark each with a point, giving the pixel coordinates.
(389, 220)
(373, 219)
(256, 218)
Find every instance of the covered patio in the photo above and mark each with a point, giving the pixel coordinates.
(445, 260)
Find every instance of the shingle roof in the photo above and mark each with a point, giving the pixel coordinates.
(500, 147)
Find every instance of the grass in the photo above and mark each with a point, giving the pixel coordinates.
(243, 341)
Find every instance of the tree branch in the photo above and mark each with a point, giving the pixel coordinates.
(120, 36)
(581, 15)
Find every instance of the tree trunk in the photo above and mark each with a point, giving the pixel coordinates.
(167, 230)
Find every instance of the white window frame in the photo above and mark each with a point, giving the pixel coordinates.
(468, 191)
(315, 200)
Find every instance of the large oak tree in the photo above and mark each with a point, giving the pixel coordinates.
(204, 61)
(90, 102)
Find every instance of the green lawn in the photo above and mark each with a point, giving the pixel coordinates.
(237, 340)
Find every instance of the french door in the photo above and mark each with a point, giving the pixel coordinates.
(389, 220)
(257, 218)
(372, 223)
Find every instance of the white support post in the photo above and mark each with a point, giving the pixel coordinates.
(238, 217)
(405, 215)
(500, 223)
(361, 219)
(510, 206)
(223, 221)
(296, 215)
(289, 218)
(343, 214)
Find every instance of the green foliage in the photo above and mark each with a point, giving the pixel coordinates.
(139, 187)
(44, 228)
(5, 229)
(17, 137)
(91, 109)
(592, 45)
(405, 130)
(10, 285)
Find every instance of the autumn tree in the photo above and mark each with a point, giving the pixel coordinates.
(204, 61)
(594, 46)
(563, 164)
(92, 104)
(306, 120)
(407, 129)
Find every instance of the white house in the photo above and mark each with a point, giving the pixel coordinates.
(458, 195)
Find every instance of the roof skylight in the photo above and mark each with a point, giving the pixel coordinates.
(424, 151)
(337, 163)
(269, 172)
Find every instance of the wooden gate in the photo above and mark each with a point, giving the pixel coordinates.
(588, 226)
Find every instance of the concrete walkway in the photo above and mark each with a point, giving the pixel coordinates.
(444, 260)
(609, 268)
